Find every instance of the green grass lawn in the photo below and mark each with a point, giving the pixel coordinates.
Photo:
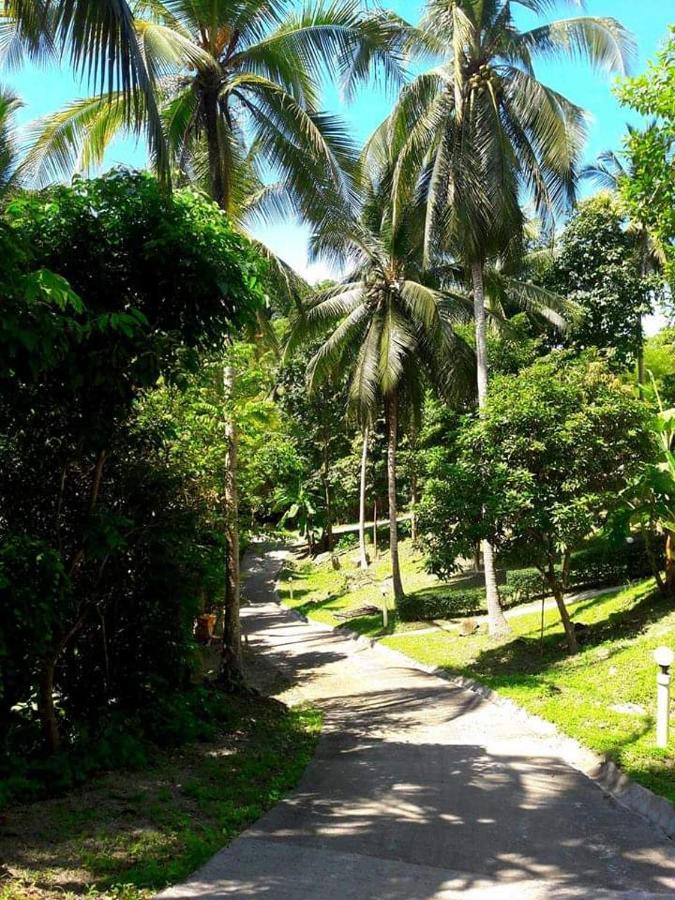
(320, 591)
(128, 834)
(613, 669)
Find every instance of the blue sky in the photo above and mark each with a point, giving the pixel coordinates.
(44, 91)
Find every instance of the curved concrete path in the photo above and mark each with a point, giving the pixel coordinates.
(421, 790)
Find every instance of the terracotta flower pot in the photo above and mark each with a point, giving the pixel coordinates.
(205, 625)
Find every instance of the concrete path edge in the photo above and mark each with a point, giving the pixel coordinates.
(604, 772)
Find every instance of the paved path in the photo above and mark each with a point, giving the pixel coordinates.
(422, 790)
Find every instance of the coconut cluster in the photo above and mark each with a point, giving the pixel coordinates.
(481, 78)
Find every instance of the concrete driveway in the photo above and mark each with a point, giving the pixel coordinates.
(422, 790)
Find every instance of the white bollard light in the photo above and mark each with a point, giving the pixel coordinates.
(385, 620)
(663, 657)
(290, 586)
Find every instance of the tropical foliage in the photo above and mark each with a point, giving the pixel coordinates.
(107, 541)
(541, 468)
(170, 391)
(649, 191)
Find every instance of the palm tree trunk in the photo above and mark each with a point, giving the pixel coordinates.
(363, 555)
(375, 528)
(232, 667)
(413, 484)
(497, 624)
(325, 477)
(641, 365)
(392, 435)
(218, 150)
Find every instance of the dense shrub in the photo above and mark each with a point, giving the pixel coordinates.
(109, 536)
(424, 606)
(600, 563)
(121, 740)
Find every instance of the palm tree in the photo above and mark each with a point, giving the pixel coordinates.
(389, 329)
(238, 86)
(9, 170)
(607, 172)
(100, 39)
(478, 130)
(238, 90)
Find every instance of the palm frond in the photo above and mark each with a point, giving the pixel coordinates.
(602, 42)
(74, 139)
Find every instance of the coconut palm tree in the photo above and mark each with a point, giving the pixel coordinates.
(237, 82)
(389, 328)
(607, 172)
(101, 42)
(9, 170)
(238, 87)
(479, 130)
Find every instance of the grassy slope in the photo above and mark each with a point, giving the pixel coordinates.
(320, 591)
(130, 833)
(614, 667)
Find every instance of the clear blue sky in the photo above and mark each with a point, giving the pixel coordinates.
(45, 91)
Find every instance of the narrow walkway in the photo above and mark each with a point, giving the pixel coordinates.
(421, 790)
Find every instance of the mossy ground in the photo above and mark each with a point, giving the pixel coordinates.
(128, 834)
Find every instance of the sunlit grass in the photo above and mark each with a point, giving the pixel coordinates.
(603, 697)
(131, 833)
(320, 591)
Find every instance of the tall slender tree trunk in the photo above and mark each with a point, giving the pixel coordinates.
(232, 667)
(218, 149)
(644, 269)
(375, 528)
(497, 624)
(363, 554)
(327, 491)
(392, 436)
(46, 708)
(413, 483)
(641, 364)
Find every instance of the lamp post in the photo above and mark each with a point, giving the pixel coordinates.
(663, 657)
(385, 591)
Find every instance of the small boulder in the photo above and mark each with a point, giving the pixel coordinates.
(467, 627)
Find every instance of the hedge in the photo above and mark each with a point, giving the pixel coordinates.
(596, 565)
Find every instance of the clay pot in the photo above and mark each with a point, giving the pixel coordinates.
(205, 625)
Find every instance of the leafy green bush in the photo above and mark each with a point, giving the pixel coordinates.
(425, 606)
(522, 585)
(122, 740)
(598, 564)
(346, 541)
(110, 538)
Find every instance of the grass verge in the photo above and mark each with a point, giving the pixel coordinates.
(128, 834)
(324, 593)
(604, 697)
